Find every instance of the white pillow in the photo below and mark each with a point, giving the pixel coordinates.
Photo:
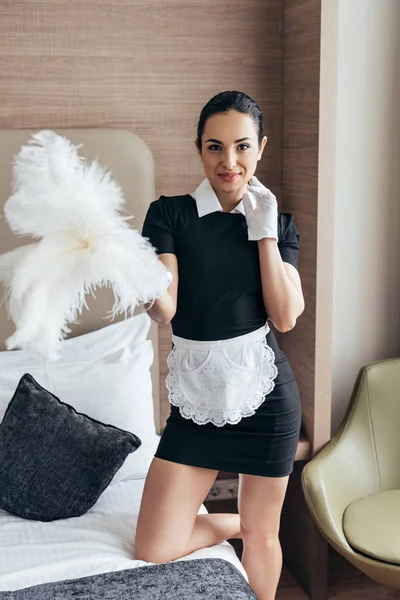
(104, 374)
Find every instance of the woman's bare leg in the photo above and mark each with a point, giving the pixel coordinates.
(260, 506)
(168, 524)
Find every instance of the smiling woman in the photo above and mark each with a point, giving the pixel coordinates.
(230, 161)
(235, 402)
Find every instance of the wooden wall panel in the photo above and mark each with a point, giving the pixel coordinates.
(144, 66)
(301, 80)
(147, 66)
(304, 549)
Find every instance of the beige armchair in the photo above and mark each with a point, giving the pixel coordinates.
(352, 487)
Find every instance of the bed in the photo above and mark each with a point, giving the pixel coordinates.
(81, 556)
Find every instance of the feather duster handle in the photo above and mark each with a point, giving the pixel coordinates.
(85, 243)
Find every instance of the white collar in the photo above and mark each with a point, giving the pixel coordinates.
(207, 201)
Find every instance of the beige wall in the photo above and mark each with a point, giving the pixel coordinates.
(366, 302)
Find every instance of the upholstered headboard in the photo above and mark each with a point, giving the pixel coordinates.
(131, 164)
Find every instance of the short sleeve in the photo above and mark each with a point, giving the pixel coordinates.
(158, 227)
(288, 239)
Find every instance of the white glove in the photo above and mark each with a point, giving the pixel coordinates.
(261, 211)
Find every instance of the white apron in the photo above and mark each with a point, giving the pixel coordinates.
(220, 381)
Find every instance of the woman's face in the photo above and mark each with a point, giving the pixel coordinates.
(230, 152)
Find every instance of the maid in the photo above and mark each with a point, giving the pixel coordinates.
(235, 404)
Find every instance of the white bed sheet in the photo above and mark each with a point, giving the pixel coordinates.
(100, 541)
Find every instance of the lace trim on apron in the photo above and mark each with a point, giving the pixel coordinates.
(221, 381)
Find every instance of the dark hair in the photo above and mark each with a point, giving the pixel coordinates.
(223, 103)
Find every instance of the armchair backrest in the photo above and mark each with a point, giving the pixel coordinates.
(376, 410)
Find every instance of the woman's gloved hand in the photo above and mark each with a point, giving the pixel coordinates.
(261, 211)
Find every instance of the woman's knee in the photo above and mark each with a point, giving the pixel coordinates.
(152, 554)
(158, 551)
(259, 535)
(260, 541)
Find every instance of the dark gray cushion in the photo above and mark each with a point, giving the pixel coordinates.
(54, 461)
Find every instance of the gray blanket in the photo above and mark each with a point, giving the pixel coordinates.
(203, 579)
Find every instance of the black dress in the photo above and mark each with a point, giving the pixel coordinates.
(220, 297)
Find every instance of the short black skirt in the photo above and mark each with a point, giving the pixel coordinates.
(264, 444)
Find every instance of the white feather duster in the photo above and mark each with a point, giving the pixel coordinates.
(84, 243)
